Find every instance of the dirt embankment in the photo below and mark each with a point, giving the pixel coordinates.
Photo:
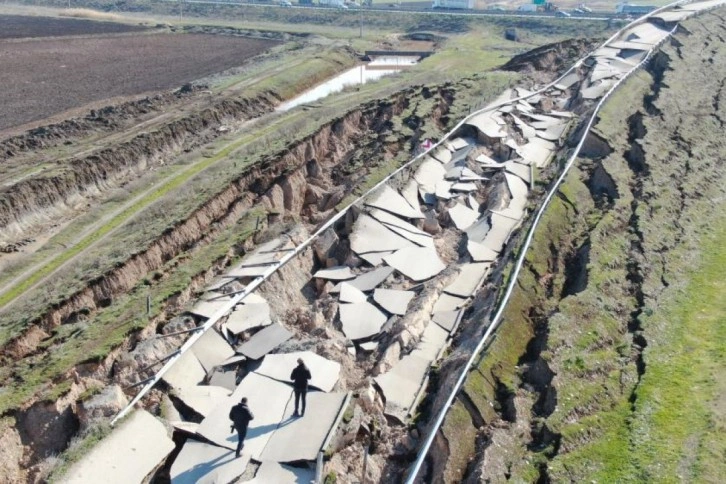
(80, 178)
(306, 180)
(556, 396)
(551, 59)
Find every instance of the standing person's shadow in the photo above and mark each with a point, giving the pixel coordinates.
(196, 473)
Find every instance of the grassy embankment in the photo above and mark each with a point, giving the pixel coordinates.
(653, 274)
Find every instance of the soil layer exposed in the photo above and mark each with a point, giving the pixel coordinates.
(593, 376)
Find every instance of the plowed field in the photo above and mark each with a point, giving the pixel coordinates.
(42, 77)
(22, 26)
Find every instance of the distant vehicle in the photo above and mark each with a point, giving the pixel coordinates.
(585, 8)
(285, 3)
(460, 4)
(628, 9)
(498, 8)
(528, 7)
(578, 10)
(562, 13)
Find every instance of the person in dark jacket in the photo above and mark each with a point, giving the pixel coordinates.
(240, 416)
(300, 376)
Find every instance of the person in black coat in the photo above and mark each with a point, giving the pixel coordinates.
(240, 416)
(300, 376)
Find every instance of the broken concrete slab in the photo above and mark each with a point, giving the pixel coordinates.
(274, 473)
(596, 91)
(478, 230)
(410, 193)
(370, 280)
(429, 174)
(522, 171)
(432, 342)
(185, 372)
(361, 320)
(267, 400)
(479, 252)
(206, 464)
(498, 235)
(248, 316)
(488, 162)
(351, 294)
(369, 346)
(375, 258)
(454, 173)
(442, 154)
(211, 349)
(473, 204)
(403, 228)
(337, 273)
(401, 384)
(459, 143)
(393, 301)
(537, 152)
(128, 454)
(418, 264)
(223, 378)
(443, 190)
(325, 373)
(487, 124)
(265, 341)
(202, 398)
(462, 216)
(568, 81)
(470, 275)
(467, 174)
(527, 130)
(369, 235)
(297, 439)
(186, 427)
(553, 133)
(447, 302)
(463, 187)
(213, 303)
(447, 319)
(386, 198)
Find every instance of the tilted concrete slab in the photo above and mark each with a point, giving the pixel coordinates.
(454, 173)
(598, 90)
(443, 190)
(224, 379)
(538, 152)
(393, 301)
(427, 195)
(674, 16)
(442, 154)
(370, 280)
(185, 372)
(404, 229)
(568, 81)
(401, 384)
(188, 427)
(369, 345)
(211, 349)
(645, 32)
(337, 273)
(248, 316)
(519, 190)
(429, 174)
(470, 275)
(361, 320)
(522, 171)
(498, 235)
(432, 342)
(369, 235)
(386, 198)
(480, 253)
(447, 319)
(267, 400)
(202, 398)
(487, 124)
(274, 473)
(325, 373)
(462, 216)
(527, 130)
(410, 193)
(473, 204)
(302, 438)
(553, 133)
(206, 464)
(447, 302)
(265, 341)
(128, 454)
(623, 44)
(351, 294)
(488, 162)
(206, 308)
(459, 143)
(467, 174)
(417, 264)
(464, 187)
(479, 229)
(375, 258)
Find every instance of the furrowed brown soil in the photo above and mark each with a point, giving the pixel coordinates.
(23, 26)
(42, 77)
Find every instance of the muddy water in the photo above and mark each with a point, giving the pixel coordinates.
(371, 71)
